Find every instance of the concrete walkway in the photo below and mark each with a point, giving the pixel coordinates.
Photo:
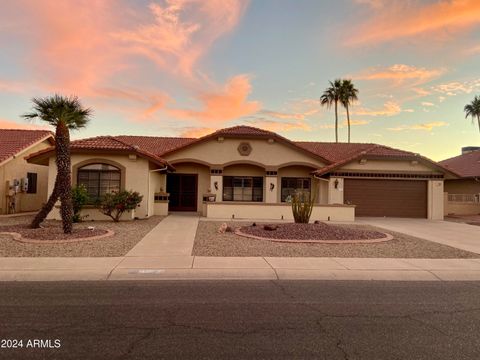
(165, 254)
(173, 236)
(459, 235)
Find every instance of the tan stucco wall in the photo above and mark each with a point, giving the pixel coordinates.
(335, 195)
(276, 211)
(16, 169)
(269, 154)
(383, 165)
(435, 200)
(203, 173)
(136, 176)
(462, 186)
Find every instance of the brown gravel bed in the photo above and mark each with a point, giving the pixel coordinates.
(209, 243)
(127, 235)
(51, 231)
(321, 231)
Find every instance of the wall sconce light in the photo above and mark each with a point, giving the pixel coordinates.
(215, 184)
(335, 183)
(272, 186)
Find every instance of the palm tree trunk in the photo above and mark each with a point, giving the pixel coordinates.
(478, 120)
(336, 121)
(348, 123)
(65, 178)
(42, 214)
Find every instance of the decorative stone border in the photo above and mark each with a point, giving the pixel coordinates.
(299, 241)
(18, 237)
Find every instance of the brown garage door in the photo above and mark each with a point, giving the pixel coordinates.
(392, 198)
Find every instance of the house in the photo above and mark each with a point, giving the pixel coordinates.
(246, 172)
(23, 186)
(463, 193)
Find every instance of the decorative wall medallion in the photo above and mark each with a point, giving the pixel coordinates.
(244, 149)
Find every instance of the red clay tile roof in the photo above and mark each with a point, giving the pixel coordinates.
(467, 165)
(156, 145)
(243, 130)
(13, 141)
(334, 152)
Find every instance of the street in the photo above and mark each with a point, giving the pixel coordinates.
(240, 319)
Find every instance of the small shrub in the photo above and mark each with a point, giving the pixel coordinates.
(116, 203)
(79, 199)
(302, 206)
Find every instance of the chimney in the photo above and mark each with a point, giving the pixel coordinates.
(468, 149)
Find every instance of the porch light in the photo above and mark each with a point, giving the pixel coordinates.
(335, 183)
(272, 186)
(215, 184)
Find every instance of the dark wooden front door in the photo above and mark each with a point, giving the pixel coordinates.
(391, 198)
(183, 192)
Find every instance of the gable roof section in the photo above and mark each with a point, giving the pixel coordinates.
(156, 145)
(14, 141)
(466, 165)
(102, 144)
(250, 132)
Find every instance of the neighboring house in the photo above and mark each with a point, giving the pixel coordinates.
(463, 193)
(245, 172)
(23, 186)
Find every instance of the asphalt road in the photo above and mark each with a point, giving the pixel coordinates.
(244, 320)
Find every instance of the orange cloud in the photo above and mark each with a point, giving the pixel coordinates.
(400, 73)
(277, 126)
(390, 108)
(8, 124)
(457, 87)
(196, 132)
(404, 19)
(356, 122)
(424, 127)
(225, 104)
(182, 31)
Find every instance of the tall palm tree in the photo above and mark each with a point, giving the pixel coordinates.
(331, 96)
(473, 110)
(65, 114)
(348, 95)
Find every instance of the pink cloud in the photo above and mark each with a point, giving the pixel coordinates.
(8, 124)
(390, 108)
(400, 73)
(402, 19)
(224, 104)
(196, 132)
(423, 127)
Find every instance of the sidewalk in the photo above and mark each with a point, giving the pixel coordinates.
(237, 268)
(165, 254)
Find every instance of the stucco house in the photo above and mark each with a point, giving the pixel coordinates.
(23, 186)
(463, 193)
(246, 172)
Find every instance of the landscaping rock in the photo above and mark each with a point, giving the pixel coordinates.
(270, 227)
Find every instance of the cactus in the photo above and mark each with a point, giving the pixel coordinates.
(302, 206)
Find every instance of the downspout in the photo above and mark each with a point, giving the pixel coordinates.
(148, 186)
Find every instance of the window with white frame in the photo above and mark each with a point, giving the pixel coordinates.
(243, 188)
(99, 179)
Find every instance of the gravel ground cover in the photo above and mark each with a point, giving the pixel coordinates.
(209, 243)
(466, 219)
(319, 231)
(127, 235)
(51, 231)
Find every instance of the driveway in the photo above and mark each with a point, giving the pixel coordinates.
(461, 236)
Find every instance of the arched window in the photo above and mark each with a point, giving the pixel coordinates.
(99, 179)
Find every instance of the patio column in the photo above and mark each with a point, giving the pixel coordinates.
(335, 190)
(216, 183)
(271, 187)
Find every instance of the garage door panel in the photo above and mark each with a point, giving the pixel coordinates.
(391, 198)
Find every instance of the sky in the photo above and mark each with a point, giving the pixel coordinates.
(189, 67)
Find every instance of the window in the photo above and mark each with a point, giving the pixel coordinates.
(32, 183)
(242, 188)
(290, 185)
(99, 179)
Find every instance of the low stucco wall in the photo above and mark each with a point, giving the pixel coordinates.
(93, 215)
(461, 208)
(160, 208)
(275, 211)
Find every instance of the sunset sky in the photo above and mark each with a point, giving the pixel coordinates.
(188, 67)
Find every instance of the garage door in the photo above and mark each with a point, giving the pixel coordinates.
(392, 198)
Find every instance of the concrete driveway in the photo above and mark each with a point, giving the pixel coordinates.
(459, 235)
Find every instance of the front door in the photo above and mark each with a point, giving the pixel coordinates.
(183, 192)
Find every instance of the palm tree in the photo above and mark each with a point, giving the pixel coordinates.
(65, 114)
(348, 95)
(332, 96)
(473, 110)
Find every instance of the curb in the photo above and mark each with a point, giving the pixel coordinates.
(18, 237)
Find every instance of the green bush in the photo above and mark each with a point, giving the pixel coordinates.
(79, 199)
(114, 204)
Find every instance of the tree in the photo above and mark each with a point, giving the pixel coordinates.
(473, 110)
(65, 114)
(348, 94)
(331, 96)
